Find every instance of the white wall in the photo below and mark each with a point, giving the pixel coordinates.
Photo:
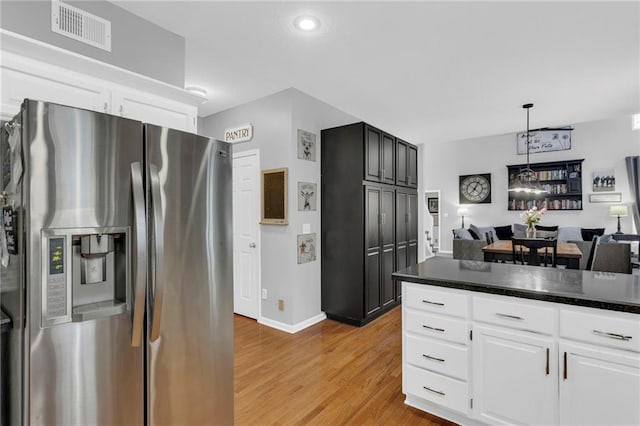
(603, 144)
(276, 119)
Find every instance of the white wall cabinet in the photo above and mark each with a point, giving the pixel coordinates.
(23, 77)
(513, 377)
(526, 362)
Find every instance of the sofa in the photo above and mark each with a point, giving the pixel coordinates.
(468, 243)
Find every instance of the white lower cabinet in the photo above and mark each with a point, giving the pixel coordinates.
(513, 377)
(484, 359)
(598, 386)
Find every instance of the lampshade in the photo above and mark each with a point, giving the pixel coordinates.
(620, 210)
(462, 211)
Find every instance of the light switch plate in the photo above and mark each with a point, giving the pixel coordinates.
(306, 228)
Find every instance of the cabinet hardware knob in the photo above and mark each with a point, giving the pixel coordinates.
(441, 330)
(547, 368)
(432, 303)
(612, 335)
(564, 369)
(252, 245)
(433, 358)
(515, 317)
(434, 391)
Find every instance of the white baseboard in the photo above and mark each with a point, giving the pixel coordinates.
(295, 327)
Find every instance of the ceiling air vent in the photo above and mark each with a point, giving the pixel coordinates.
(80, 25)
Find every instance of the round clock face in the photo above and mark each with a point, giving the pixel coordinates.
(475, 188)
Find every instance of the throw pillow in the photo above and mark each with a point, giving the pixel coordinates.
(519, 230)
(569, 233)
(589, 233)
(462, 234)
(503, 232)
(547, 235)
(481, 230)
(546, 228)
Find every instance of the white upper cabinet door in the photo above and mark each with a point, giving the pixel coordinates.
(599, 386)
(153, 109)
(515, 377)
(24, 78)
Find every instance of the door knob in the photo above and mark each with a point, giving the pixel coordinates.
(252, 245)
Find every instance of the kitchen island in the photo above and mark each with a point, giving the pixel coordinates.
(490, 343)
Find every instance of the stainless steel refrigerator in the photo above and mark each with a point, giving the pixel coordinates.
(116, 251)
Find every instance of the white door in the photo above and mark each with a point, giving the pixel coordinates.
(599, 386)
(246, 218)
(514, 377)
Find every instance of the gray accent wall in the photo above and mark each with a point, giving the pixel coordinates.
(276, 119)
(136, 44)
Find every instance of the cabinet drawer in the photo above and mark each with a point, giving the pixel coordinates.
(450, 393)
(513, 313)
(601, 329)
(437, 356)
(432, 325)
(442, 302)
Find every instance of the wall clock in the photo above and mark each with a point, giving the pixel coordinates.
(475, 189)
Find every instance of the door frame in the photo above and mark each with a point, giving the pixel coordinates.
(425, 213)
(249, 153)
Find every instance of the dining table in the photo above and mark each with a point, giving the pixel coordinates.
(501, 250)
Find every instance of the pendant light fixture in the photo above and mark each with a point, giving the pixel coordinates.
(527, 181)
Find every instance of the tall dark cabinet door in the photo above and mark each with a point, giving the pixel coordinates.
(388, 159)
(401, 163)
(373, 154)
(388, 246)
(412, 228)
(373, 243)
(412, 172)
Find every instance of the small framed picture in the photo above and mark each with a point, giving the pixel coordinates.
(307, 196)
(306, 248)
(306, 145)
(604, 180)
(612, 197)
(432, 205)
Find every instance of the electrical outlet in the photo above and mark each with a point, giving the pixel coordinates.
(264, 294)
(281, 304)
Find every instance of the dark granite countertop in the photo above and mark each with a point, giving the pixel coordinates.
(602, 290)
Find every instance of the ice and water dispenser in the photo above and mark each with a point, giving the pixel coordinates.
(85, 275)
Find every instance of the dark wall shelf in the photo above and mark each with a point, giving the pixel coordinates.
(561, 179)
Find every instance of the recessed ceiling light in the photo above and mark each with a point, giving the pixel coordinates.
(196, 91)
(306, 23)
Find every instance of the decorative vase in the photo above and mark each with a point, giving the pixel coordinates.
(531, 231)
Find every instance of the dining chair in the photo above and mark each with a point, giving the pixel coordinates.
(611, 257)
(489, 237)
(533, 255)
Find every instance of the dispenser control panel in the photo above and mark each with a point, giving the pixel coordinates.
(56, 278)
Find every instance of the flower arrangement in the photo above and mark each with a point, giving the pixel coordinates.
(533, 215)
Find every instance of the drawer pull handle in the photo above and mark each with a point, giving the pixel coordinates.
(434, 391)
(515, 317)
(432, 303)
(441, 330)
(433, 358)
(612, 335)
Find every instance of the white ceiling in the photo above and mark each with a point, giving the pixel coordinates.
(424, 71)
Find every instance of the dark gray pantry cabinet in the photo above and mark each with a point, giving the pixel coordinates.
(369, 220)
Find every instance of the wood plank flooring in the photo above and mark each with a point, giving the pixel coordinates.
(330, 373)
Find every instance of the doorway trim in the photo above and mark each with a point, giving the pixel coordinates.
(426, 213)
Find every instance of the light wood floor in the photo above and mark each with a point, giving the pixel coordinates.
(327, 374)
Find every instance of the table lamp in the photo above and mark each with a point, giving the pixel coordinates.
(462, 212)
(619, 210)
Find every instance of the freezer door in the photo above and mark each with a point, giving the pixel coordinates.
(82, 367)
(190, 315)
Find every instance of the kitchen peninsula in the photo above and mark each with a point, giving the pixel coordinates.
(491, 343)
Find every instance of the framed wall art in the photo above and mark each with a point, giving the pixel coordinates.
(475, 189)
(544, 140)
(306, 248)
(432, 205)
(306, 145)
(604, 180)
(307, 196)
(274, 196)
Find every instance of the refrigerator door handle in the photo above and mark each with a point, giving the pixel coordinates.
(140, 229)
(158, 225)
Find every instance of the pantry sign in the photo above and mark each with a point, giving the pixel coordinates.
(242, 133)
